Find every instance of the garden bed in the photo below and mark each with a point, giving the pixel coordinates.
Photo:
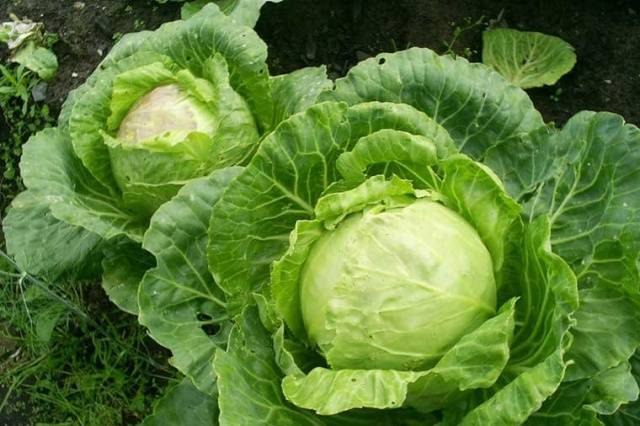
(302, 33)
(606, 36)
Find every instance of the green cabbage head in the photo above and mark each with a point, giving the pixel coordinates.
(412, 280)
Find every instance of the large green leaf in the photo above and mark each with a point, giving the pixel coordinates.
(585, 177)
(595, 347)
(474, 103)
(549, 298)
(527, 59)
(124, 264)
(245, 12)
(42, 244)
(250, 393)
(297, 91)
(393, 152)
(179, 302)
(248, 380)
(628, 414)
(588, 401)
(475, 361)
(515, 402)
(184, 405)
(65, 211)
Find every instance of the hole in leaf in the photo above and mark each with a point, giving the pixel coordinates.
(524, 198)
(381, 61)
(207, 324)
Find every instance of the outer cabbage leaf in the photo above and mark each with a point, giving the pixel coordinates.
(474, 103)
(124, 264)
(590, 401)
(245, 12)
(248, 380)
(515, 402)
(628, 414)
(30, 229)
(65, 211)
(595, 348)
(527, 59)
(184, 405)
(249, 384)
(297, 91)
(586, 178)
(179, 301)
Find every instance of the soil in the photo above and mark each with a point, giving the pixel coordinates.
(339, 33)
(605, 35)
(87, 30)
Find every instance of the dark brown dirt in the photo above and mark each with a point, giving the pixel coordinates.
(87, 30)
(605, 34)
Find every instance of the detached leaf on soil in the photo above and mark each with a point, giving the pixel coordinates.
(527, 59)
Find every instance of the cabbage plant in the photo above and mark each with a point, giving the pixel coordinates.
(419, 248)
(164, 107)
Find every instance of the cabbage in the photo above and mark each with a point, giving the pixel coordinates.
(419, 248)
(163, 108)
(412, 281)
(413, 245)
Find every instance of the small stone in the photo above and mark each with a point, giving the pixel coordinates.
(74, 74)
(608, 81)
(79, 5)
(39, 92)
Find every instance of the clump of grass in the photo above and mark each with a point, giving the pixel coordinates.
(24, 113)
(68, 356)
(22, 116)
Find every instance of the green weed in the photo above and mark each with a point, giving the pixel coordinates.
(68, 356)
(459, 29)
(22, 117)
